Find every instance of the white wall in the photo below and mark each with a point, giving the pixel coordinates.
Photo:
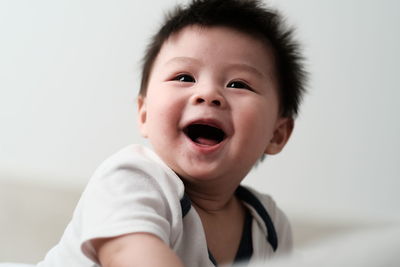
(69, 73)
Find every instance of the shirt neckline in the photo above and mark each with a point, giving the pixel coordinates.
(245, 250)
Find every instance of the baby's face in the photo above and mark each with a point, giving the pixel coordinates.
(211, 108)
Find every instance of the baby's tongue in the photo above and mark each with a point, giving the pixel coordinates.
(206, 141)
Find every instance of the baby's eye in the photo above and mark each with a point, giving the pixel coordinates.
(184, 78)
(240, 85)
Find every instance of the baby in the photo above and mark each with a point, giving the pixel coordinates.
(221, 84)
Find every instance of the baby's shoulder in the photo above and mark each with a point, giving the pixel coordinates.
(137, 165)
(256, 198)
(134, 157)
(263, 207)
(272, 220)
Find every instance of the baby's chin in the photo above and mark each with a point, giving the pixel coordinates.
(194, 177)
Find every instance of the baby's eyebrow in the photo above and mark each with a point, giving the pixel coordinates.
(184, 60)
(246, 68)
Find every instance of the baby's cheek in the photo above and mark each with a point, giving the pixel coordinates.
(257, 127)
(165, 116)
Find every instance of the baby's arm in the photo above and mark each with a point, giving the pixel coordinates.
(137, 249)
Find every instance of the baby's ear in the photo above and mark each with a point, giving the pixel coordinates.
(283, 130)
(142, 114)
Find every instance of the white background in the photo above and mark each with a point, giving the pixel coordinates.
(69, 75)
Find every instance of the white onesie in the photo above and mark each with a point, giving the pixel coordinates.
(134, 191)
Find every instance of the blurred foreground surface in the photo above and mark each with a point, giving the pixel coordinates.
(33, 219)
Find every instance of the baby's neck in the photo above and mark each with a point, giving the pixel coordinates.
(211, 199)
(222, 217)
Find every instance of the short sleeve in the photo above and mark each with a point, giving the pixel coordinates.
(129, 194)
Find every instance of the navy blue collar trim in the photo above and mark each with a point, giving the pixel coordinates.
(245, 250)
(185, 205)
(245, 195)
(212, 259)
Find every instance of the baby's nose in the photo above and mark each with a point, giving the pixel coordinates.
(215, 102)
(211, 98)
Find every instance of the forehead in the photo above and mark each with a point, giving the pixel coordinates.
(218, 44)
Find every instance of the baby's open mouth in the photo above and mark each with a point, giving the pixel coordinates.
(204, 134)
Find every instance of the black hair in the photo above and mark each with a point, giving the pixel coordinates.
(247, 16)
